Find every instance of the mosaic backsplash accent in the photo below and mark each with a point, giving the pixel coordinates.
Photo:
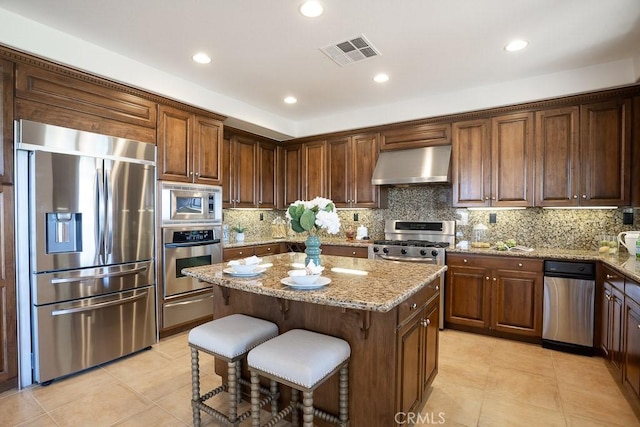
(534, 227)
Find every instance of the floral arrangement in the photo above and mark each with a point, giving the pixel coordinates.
(312, 215)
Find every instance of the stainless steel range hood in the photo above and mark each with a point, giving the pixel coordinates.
(416, 166)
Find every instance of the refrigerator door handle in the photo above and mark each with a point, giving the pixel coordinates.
(100, 216)
(97, 276)
(109, 208)
(99, 305)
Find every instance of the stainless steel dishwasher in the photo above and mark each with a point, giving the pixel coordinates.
(568, 307)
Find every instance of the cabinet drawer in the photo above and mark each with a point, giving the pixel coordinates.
(496, 262)
(262, 250)
(235, 253)
(632, 290)
(350, 251)
(414, 303)
(416, 136)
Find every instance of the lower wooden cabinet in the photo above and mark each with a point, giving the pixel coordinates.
(417, 355)
(632, 346)
(612, 310)
(495, 293)
(249, 250)
(8, 309)
(345, 250)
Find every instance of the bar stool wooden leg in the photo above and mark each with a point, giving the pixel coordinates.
(274, 403)
(232, 390)
(255, 400)
(195, 386)
(344, 394)
(307, 409)
(295, 398)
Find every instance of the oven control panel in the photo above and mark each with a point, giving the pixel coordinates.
(193, 236)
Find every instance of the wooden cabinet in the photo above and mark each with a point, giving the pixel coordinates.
(291, 178)
(345, 250)
(352, 160)
(8, 309)
(415, 136)
(493, 162)
(189, 147)
(501, 294)
(417, 355)
(583, 155)
(266, 184)
(249, 250)
(314, 169)
(6, 122)
(632, 344)
(612, 300)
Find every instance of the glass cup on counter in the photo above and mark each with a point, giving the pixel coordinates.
(607, 244)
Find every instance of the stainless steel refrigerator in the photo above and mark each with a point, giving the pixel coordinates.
(87, 204)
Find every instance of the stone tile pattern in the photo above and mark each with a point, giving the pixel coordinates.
(380, 289)
(481, 381)
(535, 227)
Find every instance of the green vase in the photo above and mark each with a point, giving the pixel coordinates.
(313, 250)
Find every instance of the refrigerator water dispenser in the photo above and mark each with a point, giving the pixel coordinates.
(64, 232)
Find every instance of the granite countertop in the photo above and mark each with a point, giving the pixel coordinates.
(356, 283)
(622, 262)
(300, 239)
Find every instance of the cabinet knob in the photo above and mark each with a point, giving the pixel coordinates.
(486, 197)
(240, 252)
(425, 322)
(584, 196)
(494, 279)
(413, 306)
(190, 173)
(608, 297)
(610, 276)
(575, 196)
(353, 253)
(519, 264)
(197, 173)
(487, 278)
(437, 287)
(493, 197)
(268, 249)
(638, 326)
(464, 260)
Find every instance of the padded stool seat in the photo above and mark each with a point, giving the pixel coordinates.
(229, 338)
(302, 360)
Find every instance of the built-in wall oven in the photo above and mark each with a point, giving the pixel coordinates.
(190, 236)
(416, 241)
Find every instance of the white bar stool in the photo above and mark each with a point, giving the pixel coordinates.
(229, 338)
(302, 360)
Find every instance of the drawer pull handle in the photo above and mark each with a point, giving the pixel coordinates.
(638, 326)
(519, 264)
(413, 306)
(464, 260)
(609, 276)
(494, 279)
(487, 278)
(437, 287)
(268, 249)
(353, 253)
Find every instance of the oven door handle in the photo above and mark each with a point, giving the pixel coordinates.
(187, 245)
(97, 276)
(99, 305)
(408, 259)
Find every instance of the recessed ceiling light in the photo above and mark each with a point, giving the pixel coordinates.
(201, 58)
(381, 78)
(311, 9)
(290, 100)
(515, 45)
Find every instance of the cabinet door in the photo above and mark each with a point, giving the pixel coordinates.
(410, 358)
(267, 166)
(340, 170)
(6, 122)
(314, 176)
(606, 317)
(617, 331)
(174, 144)
(632, 346)
(517, 302)
(243, 157)
(8, 327)
(471, 171)
(364, 154)
(605, 148)
(207, 145)
(512, 160)
(228, 171)
(431, 344)
(468, 301)
(292, 174)
(557, 157)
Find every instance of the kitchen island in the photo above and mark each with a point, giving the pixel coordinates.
(387, 312)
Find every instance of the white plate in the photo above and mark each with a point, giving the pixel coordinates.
(256, 271)
(322, 281)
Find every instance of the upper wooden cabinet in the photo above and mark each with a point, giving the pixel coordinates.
(415, 136)
(249, 173)
(494, 166)
(314, 169)
(189, 147)
(290, 181)
(352, 160)
(583, 155)
(6, 122)
(8, 309)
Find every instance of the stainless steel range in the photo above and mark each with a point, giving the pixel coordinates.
(416, 241)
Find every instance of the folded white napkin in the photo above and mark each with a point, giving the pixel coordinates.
(312, 268)
(252, 260)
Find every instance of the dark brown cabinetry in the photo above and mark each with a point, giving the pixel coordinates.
(6, 122)
(266, 184)
(417, 355)
(471, 163)
(314, 169)
(290, 181)
(612, 300)
(345, 250)
(189, 147)
(8, 311)
(501, 294)
(632, 343)
(415, 136)
(352, 160)
(247, 251)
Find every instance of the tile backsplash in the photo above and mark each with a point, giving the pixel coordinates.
(535, 227)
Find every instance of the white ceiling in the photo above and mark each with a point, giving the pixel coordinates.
(265, 50)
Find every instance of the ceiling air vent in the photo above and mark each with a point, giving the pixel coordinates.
(350, 51)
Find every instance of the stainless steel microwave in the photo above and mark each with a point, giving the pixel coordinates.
(190, 203)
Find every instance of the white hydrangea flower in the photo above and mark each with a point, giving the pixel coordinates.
(329, 221)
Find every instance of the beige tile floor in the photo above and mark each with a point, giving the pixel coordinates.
(482, 381)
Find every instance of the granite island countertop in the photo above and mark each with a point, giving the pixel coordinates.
(356, 283)
(299, 239)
